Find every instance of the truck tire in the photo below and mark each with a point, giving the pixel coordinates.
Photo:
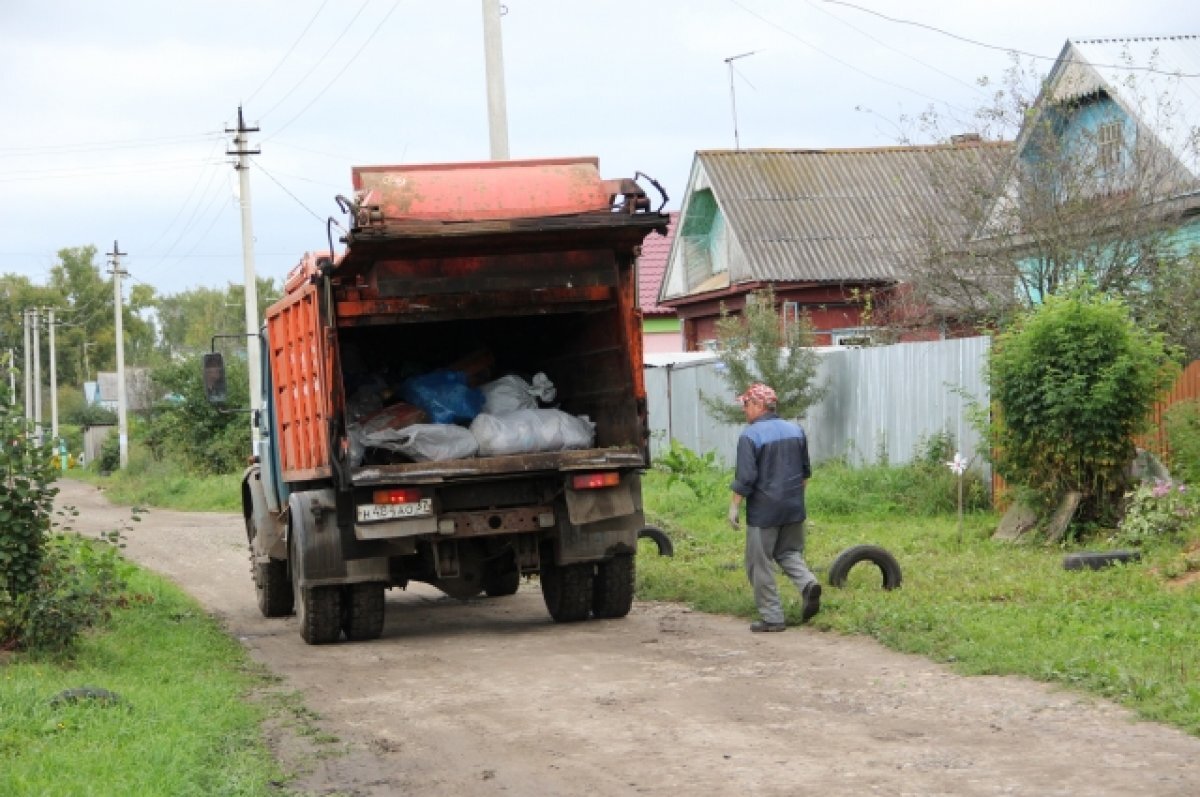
(567, 590)
(499, 583)
(318, 610)
(273, 588)
(880, 557)
(1098, 560)
(660, 538)
(363, 610)
(612, 593)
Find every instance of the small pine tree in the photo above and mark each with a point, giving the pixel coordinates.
(757, 347)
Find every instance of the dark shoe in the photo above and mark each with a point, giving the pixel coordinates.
(760, 626)
(812, 602)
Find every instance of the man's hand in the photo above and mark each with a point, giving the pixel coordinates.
(733, 516)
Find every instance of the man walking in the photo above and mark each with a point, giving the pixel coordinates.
(772, 470)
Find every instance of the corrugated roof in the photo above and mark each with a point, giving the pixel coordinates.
(652, 264)
(843, 215)
(1155, 78)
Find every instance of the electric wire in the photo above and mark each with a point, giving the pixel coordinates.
(288, 54)
(128, 143)
(285, 190)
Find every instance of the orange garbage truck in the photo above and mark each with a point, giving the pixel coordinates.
(456, 398)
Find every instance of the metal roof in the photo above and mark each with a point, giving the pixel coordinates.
(843, 215)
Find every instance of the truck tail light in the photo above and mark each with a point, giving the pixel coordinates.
(595, 481)
(407, 495)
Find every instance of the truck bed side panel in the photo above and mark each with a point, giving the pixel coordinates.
(301, 384)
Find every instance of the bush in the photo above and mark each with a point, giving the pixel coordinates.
(1158, 511)
(1183, 437)
(699, 472)
(185, 429)
(26, 499)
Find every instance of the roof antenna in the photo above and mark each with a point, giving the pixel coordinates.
(733, 97)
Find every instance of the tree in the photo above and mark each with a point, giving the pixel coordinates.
(189, 319)
(186, 429)
(1073, 381)
(758, 347)
(1089, 201)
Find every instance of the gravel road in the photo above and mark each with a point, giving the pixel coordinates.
(490, 697)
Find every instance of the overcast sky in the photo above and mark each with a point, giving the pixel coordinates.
(114, 112)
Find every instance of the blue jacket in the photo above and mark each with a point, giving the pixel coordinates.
(772, 465)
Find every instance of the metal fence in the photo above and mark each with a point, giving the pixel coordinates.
(882, 402)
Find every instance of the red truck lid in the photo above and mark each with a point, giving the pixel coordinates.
(484, 190)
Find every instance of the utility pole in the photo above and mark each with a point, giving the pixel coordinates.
(241, 148)
(12, 377)
(37, 376)
(28, 373)
(122, 417)
(53, 379)
(737, 144)
(493, 50)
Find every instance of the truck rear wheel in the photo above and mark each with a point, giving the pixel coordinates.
(501, 577)
(273, 588)
(362, 610)
(567, 590)
(318, 609)
(612, 595)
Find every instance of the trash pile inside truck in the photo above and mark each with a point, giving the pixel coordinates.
(453, 413)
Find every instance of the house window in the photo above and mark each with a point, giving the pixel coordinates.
(1108, 146)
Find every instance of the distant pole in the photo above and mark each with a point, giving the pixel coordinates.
(241, 148)
(53, 379)
(737, 144)
(12, 377)
(28, 373)
(37, 376)
(122, 416)
(493, 49)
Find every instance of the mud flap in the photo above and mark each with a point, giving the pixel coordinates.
(317, 543)
(270, 535)
(601, 523)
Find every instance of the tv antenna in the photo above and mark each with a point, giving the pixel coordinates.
(733, 96)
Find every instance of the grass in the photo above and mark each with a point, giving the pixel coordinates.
(184, 725)
(163, 484)
(1122, 633)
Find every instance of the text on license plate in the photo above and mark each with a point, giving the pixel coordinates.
(371, 512)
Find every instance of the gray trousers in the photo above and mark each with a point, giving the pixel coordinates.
(764, 547)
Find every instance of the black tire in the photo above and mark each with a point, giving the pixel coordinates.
(567, 590)
(363, 610)
(665, 546)
(612, 590)
(273, 588)
(880, 557)
(1098, 560)
(318, 610)
(501, 583)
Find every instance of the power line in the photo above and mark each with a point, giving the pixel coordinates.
(935, 29)
(285, 190)
(99, 171)
(341, 71)
(288, 54)
(128, 143)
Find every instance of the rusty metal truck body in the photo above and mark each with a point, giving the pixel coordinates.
(501, 267)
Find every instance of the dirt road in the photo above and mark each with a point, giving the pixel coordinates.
(489, 697)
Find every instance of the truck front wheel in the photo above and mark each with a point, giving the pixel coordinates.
(567, 590)
(613, 592)
(318, 610)
(362, 606)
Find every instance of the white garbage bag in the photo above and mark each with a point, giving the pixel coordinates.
(529, 431)
(511, 393)
(425, 442)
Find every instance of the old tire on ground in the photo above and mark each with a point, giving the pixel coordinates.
(612, 590)
(880, 557)
(362, 610)
(1097, 560)
(660, 538)
(318, 610)
(497, 583)
(273, 588)
(567, 590)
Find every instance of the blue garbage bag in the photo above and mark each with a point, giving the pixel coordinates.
(444, 395)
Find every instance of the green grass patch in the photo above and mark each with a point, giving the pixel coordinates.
(987, 607)
(184, 725)
(147, 482)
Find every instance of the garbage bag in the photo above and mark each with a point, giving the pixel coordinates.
(426, 442)
(397, 416)
(529, 431)
(511, 393)
(444, 395)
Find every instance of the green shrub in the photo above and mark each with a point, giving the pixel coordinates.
(1182, 421)
(26, 500)
(699, 472)
(197, 436)
(1158, 511)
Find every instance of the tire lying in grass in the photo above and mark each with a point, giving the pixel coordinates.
(660, 538)
(889, 568)
(1097, 560)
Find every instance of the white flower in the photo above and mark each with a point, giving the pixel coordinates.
(958, 465)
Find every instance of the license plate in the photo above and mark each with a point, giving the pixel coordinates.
(368, 513)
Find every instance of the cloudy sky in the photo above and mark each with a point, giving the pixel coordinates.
(115, 111)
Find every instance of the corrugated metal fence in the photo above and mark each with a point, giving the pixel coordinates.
(881, 402)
